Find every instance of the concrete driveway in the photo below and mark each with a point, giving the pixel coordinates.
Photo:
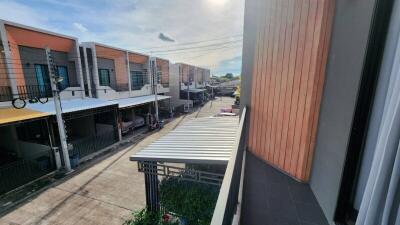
(105, 193)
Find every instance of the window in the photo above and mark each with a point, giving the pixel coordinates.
(63, 72)
(42, 75)
(159, 75)
(104, 77)
(137, 80)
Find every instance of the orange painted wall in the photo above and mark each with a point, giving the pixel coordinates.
(3, 72)
(288, 76)
(20, 36)
(164, 64)
(184, 73)
(119, 58)
(137, 58)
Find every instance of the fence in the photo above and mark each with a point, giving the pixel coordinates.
(5, 94)
(88, 145)
(228, 199)
(23, 171)
(32, 91)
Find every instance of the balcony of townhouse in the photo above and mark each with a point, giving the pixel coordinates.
(139, 76)
(162, 75)
(27, 64)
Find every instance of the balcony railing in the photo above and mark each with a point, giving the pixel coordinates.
(5, 94)
(227, 209)
(32, 91)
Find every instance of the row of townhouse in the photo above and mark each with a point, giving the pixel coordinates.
(188, 84)
(106, 93)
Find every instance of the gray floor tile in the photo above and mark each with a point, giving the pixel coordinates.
(272, 198)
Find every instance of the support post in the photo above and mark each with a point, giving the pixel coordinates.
(88, 80)
(78, 65)
(151, 185)
(95, 71)
(128, 68)
(154, 75)
(57, 105)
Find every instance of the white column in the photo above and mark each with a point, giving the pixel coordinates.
(8, 60)
(88, 80)
(129, 73)
(78, 65)
(95, 71)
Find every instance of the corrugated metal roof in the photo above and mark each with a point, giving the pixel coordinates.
(70, 105)
(127, 102)
(73, 105)
(201, 140)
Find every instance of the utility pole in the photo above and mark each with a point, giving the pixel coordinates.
(154, 74)
(54, 79)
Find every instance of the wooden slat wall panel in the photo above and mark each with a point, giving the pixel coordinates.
(292, 42)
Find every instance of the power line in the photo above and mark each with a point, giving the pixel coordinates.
(201, 50)
(193, 42)
(196, 47)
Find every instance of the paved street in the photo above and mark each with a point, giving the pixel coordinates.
(105, 193)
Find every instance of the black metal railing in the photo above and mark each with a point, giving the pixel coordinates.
(5, 94)
(122, 87)
(88, 145)
(34, 91)
(23, 171)
(228, 203)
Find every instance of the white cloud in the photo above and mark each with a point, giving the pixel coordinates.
(15, 12)
(136, 25)
(80, 27)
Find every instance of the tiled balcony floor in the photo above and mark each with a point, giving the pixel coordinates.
(273, 198)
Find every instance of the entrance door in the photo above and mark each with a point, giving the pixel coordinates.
(43, 82)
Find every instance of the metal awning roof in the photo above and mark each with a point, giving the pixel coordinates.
(127, 102)
(71, 105)
(10, 115)
(194, 90)
(207, 140)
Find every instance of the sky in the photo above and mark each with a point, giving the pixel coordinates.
(206, 33)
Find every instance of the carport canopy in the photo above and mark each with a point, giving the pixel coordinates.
(129, 102)
(194, 90)
(208, 140)
(11, 115)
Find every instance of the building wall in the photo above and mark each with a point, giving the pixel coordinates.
(3, 69)
(174, 84)
(103, 63)
(164, 65)
(184, 74)
(24, 37)
(119, 58)
(31, 56)
(288, 76)
(343, 75)
(137, 58)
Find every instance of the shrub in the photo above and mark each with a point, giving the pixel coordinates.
(146, 217)
(191, 200)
